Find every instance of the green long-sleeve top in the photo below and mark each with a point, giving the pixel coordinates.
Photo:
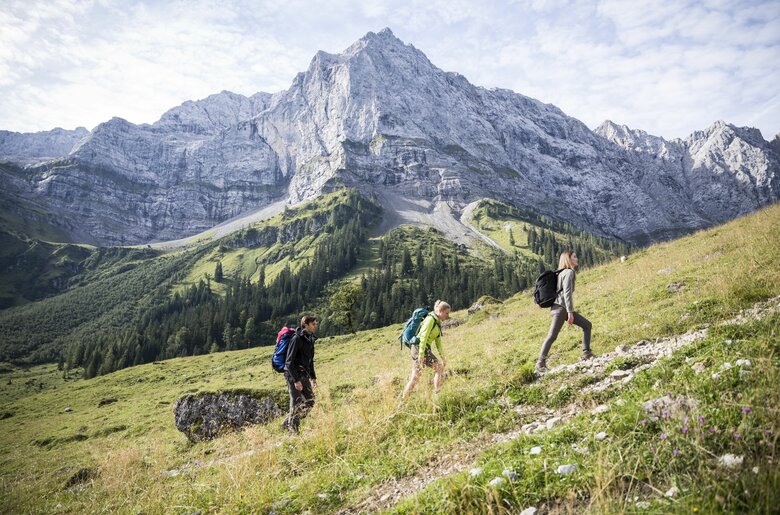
(430, 332)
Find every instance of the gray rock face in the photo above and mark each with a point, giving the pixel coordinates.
(722, 172)
(207, 415)
(38, 146)
(381, 117)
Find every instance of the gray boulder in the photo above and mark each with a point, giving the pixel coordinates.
(204, 416)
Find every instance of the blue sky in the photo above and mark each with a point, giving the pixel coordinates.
(665, 67)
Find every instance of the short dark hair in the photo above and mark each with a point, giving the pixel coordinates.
(307, 319)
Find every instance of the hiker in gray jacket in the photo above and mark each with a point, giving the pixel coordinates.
(563, 310)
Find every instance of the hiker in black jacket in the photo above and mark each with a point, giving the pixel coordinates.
(299, 372)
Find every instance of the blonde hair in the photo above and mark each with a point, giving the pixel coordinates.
(441, 306)
(565, 260)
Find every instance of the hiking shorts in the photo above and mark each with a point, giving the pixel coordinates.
(430, 359)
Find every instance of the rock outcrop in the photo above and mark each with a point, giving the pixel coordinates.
(205, 416)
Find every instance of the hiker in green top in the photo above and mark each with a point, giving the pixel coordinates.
(422, 356)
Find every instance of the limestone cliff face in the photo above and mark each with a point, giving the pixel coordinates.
(34, 147)
(381, 117)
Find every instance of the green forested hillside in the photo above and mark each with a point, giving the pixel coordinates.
(123, 306)
(361, 442)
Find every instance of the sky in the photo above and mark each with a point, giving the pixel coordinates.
(668, 68)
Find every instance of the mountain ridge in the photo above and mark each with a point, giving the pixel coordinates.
(381, 117)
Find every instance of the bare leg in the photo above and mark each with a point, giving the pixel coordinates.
(412, 382)
(438, 376)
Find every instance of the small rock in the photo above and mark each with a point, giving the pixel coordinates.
(581, 450)
(566, 470)
(497, 482)
(529, 428)
(551, 423)
(620, 349)
(729, 342)
(755, 470)
(744, 363)
(622, 259)
(727, 365)
(643, 505)
(509, 474)
(675, 287)
(743, 372)
(599, 409)
(536, 450)
(105, 402)
(664, 271)
(699, 367)
(730, 460)
(620, 373)
(475, 471)
(601, 436)
(620, 402)
(716, 375)
(68, 410)
(322, 496)
(672, 492)
(529, 511)
(668, 407)
(384, 498)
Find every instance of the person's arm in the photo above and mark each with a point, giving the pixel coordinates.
(438, 348)
(424, 333)
(312, 373)
(568, 291)
(289, 363)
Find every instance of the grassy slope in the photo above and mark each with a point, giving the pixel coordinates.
(497, 228)
(359, 434)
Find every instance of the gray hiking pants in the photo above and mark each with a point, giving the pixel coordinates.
(559, 316)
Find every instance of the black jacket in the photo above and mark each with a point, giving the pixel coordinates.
(300, 356)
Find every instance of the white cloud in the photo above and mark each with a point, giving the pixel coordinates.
(669, 68)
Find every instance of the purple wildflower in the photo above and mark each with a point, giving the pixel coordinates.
(685, 420)
(684, 429)
(676, 452)
(768, 432)
(737, 436)
(643, 422)
(712, 429)
(665, 414)
(662, 436)
(746, 410)
(700, 419)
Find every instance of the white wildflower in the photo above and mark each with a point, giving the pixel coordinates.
(730, 460)
(497, 482)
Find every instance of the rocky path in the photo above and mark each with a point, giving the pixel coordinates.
(463, 456)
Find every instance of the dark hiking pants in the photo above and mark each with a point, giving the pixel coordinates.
(300, 402)
(559, 316)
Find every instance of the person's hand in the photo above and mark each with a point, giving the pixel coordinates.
(570, 320)
(314, 383)
(299, 386)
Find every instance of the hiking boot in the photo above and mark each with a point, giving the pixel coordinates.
(587, 355)
(541, 365)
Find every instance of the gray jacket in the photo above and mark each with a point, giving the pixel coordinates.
(565, 298)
